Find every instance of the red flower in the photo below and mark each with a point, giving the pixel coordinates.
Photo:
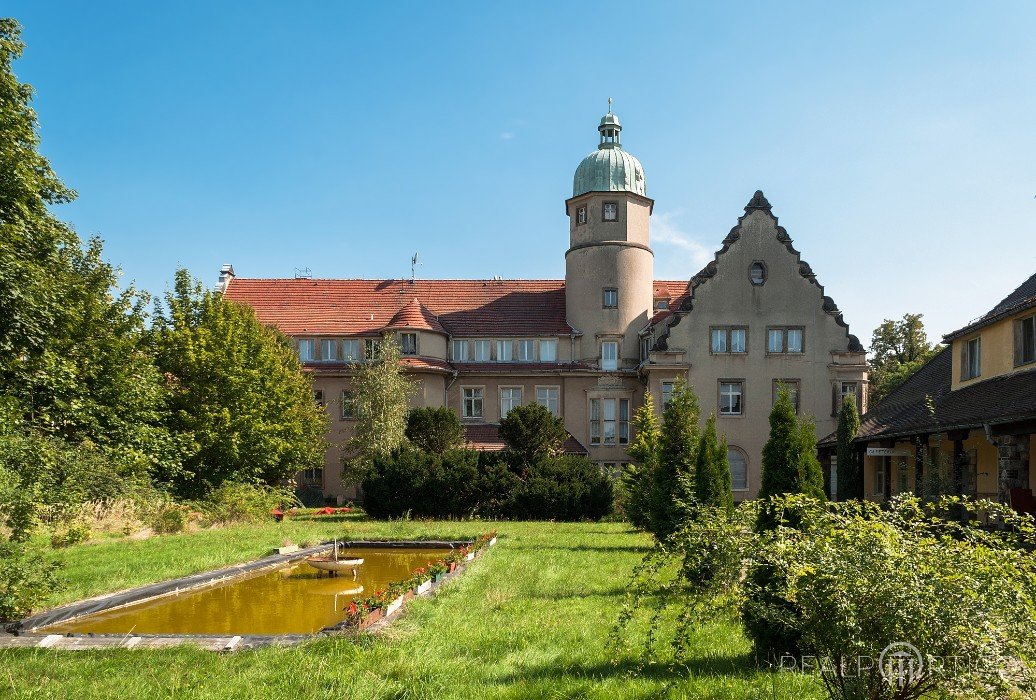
(352, 608)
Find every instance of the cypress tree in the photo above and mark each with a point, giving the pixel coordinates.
(712, 485)
(673, 491)
(848, 468)
(638, 476)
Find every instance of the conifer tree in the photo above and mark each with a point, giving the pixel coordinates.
(712, 486)
(848, 467)
(673, 492)
(638, 476)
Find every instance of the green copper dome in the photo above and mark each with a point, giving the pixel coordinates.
(609, 168)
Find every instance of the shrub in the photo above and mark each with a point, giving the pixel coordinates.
(75, 532)
(532, 433)
(239, 502)
(26, 581)
(636, 483)
(170, 519)
(562, 488)
(434, 430)
(672, 494)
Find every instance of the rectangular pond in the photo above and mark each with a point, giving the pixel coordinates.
(294, 599)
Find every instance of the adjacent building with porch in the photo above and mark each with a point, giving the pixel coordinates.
(965, 423)
(590, 346)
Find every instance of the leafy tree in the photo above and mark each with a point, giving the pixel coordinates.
(434, 430)
(381, 397)
(712, 485)
(532, 433)
(898, 349)
(638, 476)
(850, 477)
(673, 491)
(239, 397)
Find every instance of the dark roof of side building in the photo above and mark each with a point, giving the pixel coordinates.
(924, 403)
(1020, 299)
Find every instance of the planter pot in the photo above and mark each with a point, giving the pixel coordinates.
(408, 595)
(439, 577)
(492, 542)
(372, 617)
(469, 556)
(424, 587)
(394, 606)
(453, 566)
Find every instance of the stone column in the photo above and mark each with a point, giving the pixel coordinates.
(1013, 462)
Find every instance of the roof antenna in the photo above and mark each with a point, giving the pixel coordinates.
(413, 267)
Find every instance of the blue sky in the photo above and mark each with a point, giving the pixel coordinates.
(895, 140)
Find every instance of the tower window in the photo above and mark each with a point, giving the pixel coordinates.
(610, 355)
(611, 298)
(757, 273)
(581, 215)
(611, 211)
(408, 343)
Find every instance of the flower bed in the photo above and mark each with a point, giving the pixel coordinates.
(364, 612)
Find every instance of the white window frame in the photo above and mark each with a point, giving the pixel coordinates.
(510, 397)
(612, 208)
(328, 350)
(718, 344)
(504, 350)
(483, 351)
(370, 348)
(609, 421)
(581, 215)
(549, 350)
(726, 398)
(784, 332)
(733, 449)
(460, 351)
(743, 333)
(668, 387)
(609, 364)
(550, 398)
(473, 401)
(351, 350)
(526, 350)
(971, 358)
(610, 298)
(306, 349)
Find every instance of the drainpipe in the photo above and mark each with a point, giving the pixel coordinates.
(446, 391)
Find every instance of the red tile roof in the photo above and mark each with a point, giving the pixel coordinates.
(464, 308)
(486, 438)
(415, 315)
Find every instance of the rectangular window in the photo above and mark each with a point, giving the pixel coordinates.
(348, 405)
(318, 397)
(351, 350)
(645, 348)
(370, 348)
(581, 215)
(971, 359)
(738, 469)
(503, 351)
(1025, 341)
(794, 340)
(312, 476)
(794, 387)
(728, 340)
(731, 398)
(550, 398)
(548, 351)
(510, 397)
(328, 350)
(306, 350)
(609, 356)
(611, 211)
(879, 479)
(719, 340)
(482, 350)
(526, 350)
(661, 304)
(460, 351)
(472, 407)
(774, 340)
(609, 421)
(408, 343)
(848, 389)
(667, 393)
(610, 298)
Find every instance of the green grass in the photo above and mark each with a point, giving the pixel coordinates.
(528, 620)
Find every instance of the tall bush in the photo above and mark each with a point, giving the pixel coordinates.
(712, 484)
(532, 433)
(434, 430)
(673, 490)
(850, 477)
(636, 483)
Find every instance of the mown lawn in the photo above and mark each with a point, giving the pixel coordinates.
(528, 620)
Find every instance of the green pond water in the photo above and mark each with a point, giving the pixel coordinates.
(297, 599)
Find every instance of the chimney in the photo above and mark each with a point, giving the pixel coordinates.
(226, 273)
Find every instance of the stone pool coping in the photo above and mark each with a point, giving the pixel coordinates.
(24, 633)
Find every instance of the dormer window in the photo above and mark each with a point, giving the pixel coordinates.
(611, 211)
(581, 215)
(661, 304)
(757, 274)
(306, 350)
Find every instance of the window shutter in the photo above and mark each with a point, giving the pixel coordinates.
(1018, 328)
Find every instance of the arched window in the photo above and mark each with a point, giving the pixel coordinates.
(757, 273)
(738, 469)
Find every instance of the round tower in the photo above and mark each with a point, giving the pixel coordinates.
(609, 266)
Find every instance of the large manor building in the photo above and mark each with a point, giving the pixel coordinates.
(589, 346)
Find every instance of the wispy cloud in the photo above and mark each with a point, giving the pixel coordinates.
(677, 254)
(507, 136)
